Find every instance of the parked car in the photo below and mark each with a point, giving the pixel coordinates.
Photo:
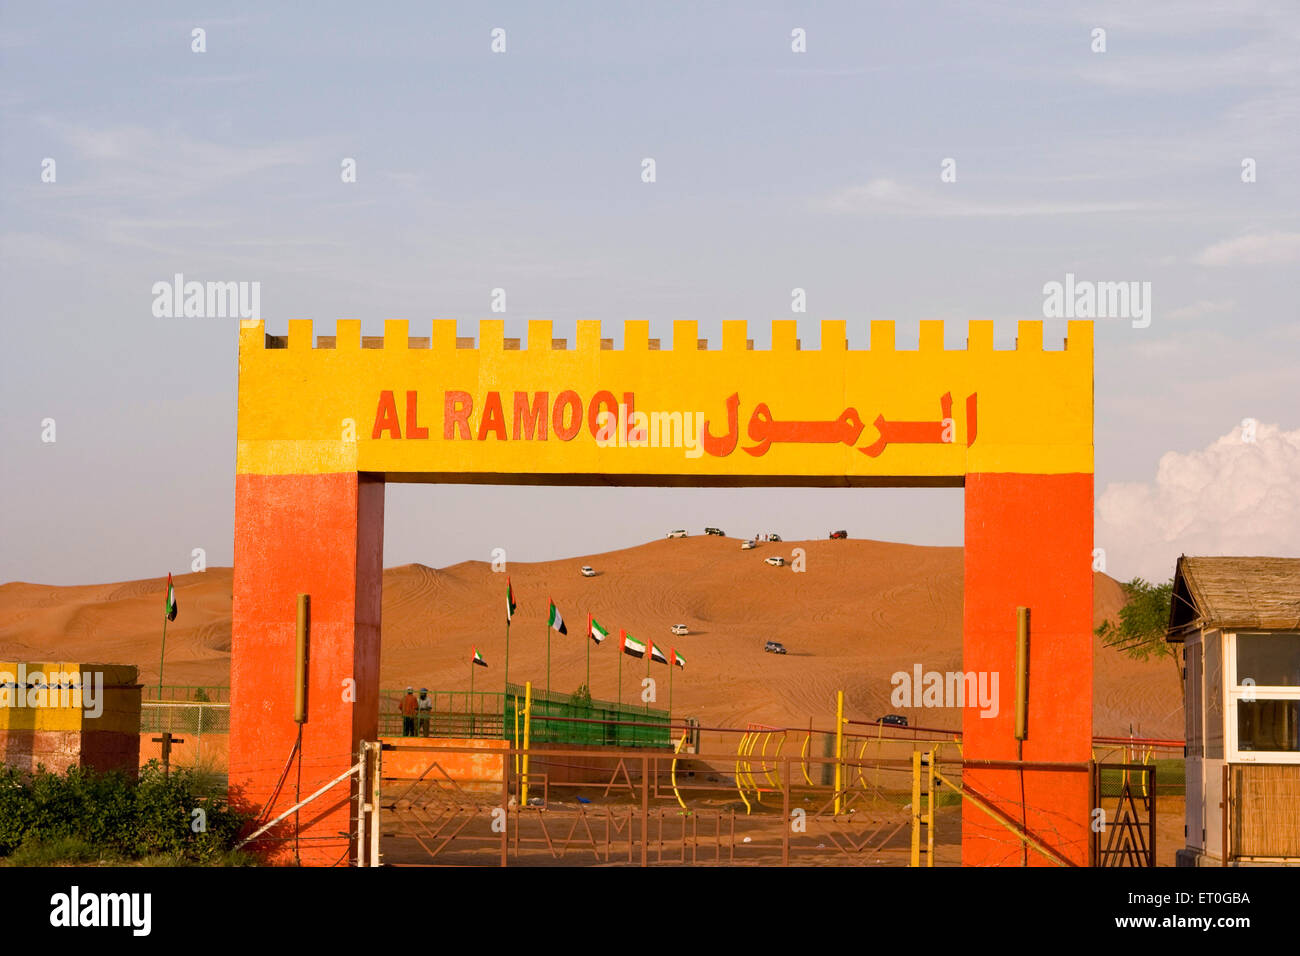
(588, 571)
(776, 562)
(747, 545)
(839, 534)
(715, 531)
(680, 630)
(774, 647)
(898, 720)
(679, 533)
(773, 537)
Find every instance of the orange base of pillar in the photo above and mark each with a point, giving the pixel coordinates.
(1029, 543)
(320, 535)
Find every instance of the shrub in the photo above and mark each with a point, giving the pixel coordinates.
(108, 814)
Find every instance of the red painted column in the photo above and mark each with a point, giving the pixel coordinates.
(320, 535)
(1029, 543)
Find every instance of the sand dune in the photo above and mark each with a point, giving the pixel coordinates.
(861, 611)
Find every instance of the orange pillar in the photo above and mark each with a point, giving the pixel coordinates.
(321, 535)
(1029, 543)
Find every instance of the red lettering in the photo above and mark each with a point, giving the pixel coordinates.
(412, 429)
(494, 419)
(594, 409)
(386, 419)
(571, 401)
(532, 419)
(456, 408)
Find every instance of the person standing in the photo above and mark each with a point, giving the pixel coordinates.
(410, 707)
(424, 704)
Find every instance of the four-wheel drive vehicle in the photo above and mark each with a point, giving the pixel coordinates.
(747, 545)
(680, 629)
(775, 561)
(839, 534)
(679, 533)
(774, 647)
(898, 720)
(588, 571)
(715, 531)
(773, 537)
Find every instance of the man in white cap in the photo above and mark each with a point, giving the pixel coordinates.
(424, 704)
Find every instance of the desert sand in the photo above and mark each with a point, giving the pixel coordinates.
(861, 611)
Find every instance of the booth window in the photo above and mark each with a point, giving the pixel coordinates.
(1267, 693)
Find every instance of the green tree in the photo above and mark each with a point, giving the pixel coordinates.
(1140, 631)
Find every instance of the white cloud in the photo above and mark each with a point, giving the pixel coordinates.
(1233, 497)
(1251, 250)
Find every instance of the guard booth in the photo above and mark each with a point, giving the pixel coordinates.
(1238, 620)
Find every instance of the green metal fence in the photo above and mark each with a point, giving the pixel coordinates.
(455, 713)
(561, 719)
(557, 718)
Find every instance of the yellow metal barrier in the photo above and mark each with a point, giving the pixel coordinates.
(672, 774)
(803, 758)
(740, 774)
(528, 722)
(839, 750)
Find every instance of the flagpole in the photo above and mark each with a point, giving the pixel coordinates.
(672, 662)
(622, 649)
(588, 684)
(507, 653)
(548, 660)
(471, 693)
(161, 654)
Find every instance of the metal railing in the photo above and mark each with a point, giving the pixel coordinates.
(184, 717)
(560, 719)
(200, 693)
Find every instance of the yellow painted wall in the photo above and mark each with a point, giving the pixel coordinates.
(119, 699)
(1034, 406)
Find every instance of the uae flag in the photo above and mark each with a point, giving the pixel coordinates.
(632, 646)
(656, 654)
(556, 621)
(171, 599)
(478, 659)
(595, 631)
(678, 660)
(510, 603)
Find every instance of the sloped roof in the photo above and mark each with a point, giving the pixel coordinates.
(1233, 592)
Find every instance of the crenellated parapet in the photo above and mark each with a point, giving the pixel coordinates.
(447, 407)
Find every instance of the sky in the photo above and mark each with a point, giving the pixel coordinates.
(521, 170)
